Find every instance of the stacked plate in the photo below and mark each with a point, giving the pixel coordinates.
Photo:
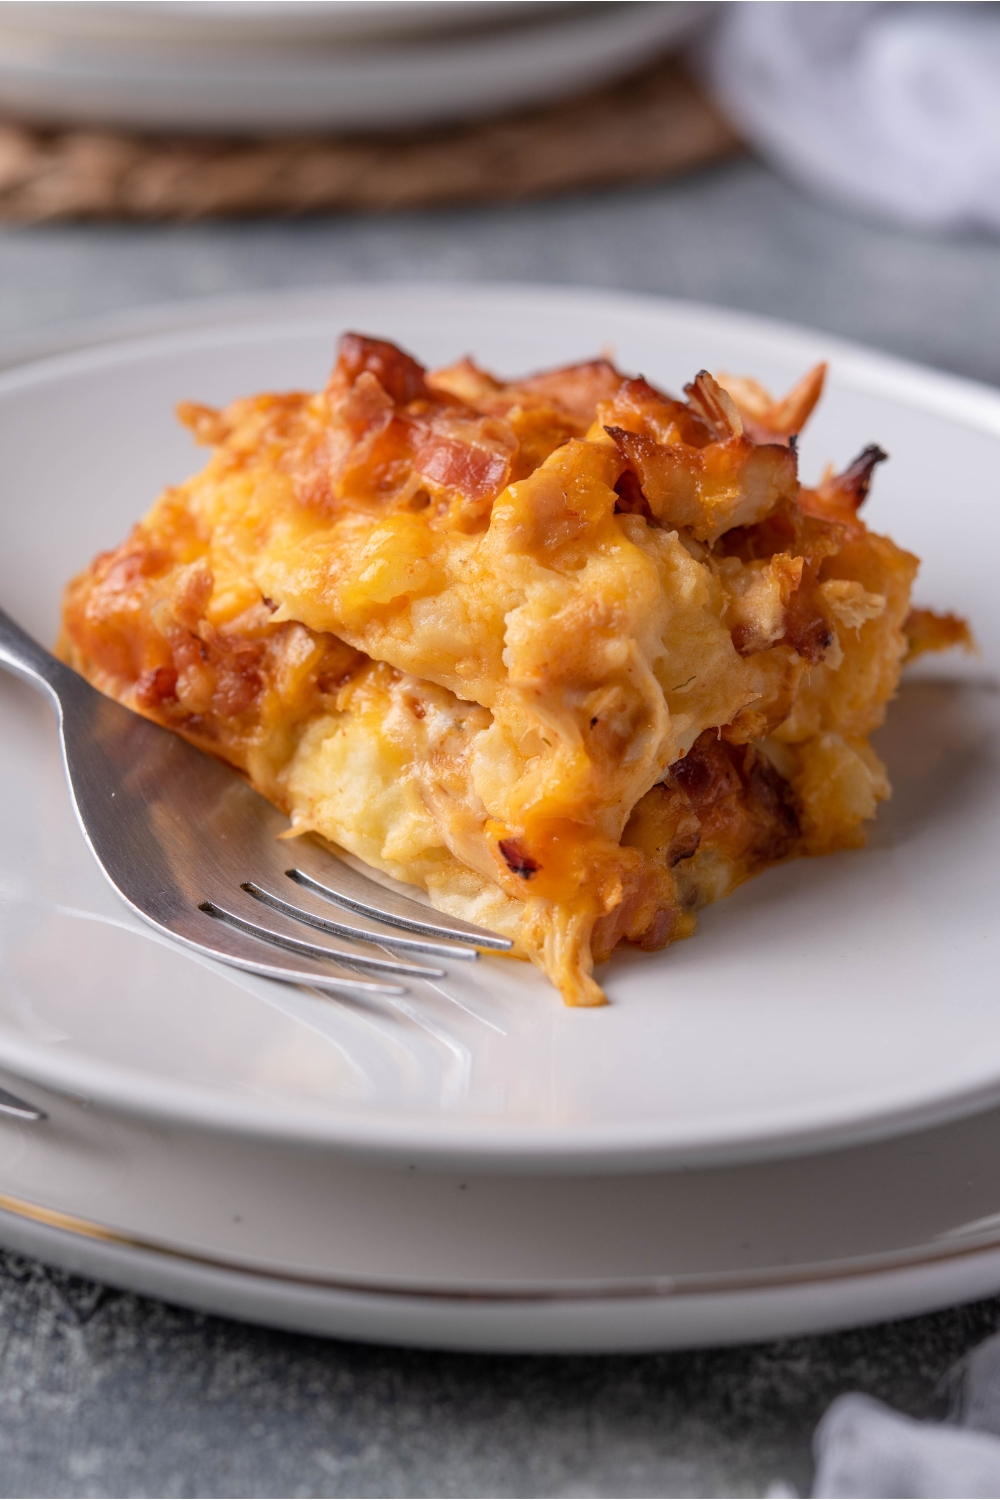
(788, 1123)
(346, 65)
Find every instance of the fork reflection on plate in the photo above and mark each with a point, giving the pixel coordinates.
(194, 850)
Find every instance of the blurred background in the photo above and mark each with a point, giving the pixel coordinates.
(836, 165)
(833, 164)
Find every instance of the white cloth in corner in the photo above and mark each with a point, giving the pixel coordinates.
(865, 1449)
(893, 108)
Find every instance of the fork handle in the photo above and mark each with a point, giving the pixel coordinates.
(21, 654)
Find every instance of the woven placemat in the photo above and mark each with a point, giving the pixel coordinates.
(649, 125)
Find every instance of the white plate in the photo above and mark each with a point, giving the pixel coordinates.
(245, 23)
(389, 84)
(325, 1243)
(827, 1001)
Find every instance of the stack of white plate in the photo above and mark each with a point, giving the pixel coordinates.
(348, 65)
(787, 1123)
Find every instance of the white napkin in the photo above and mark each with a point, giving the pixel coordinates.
(888, 107)
(864, 1448)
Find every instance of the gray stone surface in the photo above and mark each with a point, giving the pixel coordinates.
(103, 1393)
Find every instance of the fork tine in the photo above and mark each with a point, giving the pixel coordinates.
(357, 931)
(359, 894)
(208, 933)
(293, 944)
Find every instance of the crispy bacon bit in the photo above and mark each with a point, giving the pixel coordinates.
(395, 439)
(807, 631)
(695, 465)
(636, 448)
(469, 457)
(839, 497)
(853, 485)
(396, 372)
(771, 797)
(518, 860)
(577, 388)
(456, 465)
(711, 489)
(473, 386)
(927, 631)
(364, 408)
(856, 479)
(640, 407)
(767, 420)
(713, 404)
(744, 807)
(156, 687)
(707, 773)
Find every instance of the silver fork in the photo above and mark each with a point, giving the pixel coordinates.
(194, 851)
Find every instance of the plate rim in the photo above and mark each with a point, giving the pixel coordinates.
(70, 347)
(660, 1320)
(385, 82)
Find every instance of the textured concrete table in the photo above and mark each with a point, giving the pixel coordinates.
(102, 1393)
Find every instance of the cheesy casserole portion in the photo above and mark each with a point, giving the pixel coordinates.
(572, 655)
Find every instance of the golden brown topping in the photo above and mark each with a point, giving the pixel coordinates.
(694, 465)
(767, 420)
(839, 497)
(927, 631)
(208, 426)
(401, 377)
(576, 389)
